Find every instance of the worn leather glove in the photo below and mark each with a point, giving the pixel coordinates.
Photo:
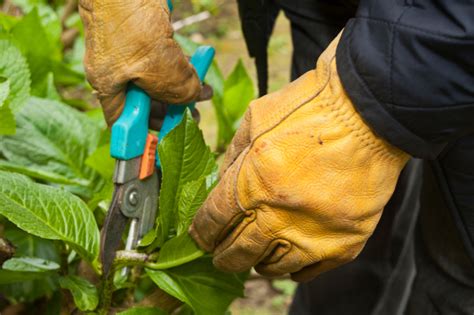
(133, 41)
(303, 185)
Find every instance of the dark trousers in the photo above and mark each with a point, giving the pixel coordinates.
(417, 261)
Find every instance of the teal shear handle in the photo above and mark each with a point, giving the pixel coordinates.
(130, 131)
(201, 60)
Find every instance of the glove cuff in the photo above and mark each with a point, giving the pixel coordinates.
(345, 113)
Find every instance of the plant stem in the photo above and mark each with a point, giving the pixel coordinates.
(63, 256)
(106, 294)
(122, 259)
(129, 258)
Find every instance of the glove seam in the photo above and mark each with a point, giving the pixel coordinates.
(346, 114)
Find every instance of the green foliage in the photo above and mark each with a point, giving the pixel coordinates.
(23, 285)
(84, 293)
(30, 264)
(49, 213)
(32, 39)
(231, 96)
(237, 95)
(185, 158)
(198, 284)
(143, 311)
(56, 178)
(52, 143)
(238, 92)
(177, 251)
(28, 245)
(101, 161)
(192, 196)
(14, 68)
(7, 120)
(9, 277)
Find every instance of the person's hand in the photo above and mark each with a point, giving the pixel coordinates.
(159, 109)
(303, 184)
(132, 41)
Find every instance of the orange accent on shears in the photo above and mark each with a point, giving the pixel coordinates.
(147, 166)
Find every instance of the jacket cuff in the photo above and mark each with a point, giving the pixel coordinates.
(374, 112)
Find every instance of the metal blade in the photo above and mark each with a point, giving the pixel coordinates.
(111, 234)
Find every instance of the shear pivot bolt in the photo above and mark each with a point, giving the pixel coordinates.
(133, 198)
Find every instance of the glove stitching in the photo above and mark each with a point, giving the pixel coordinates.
(351, 119)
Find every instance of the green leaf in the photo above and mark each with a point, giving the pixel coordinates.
(84, 293)
(7, 22)
(51, 23)
(10, 277)
(49, 213)
(201, 286)
(225, 130)
(101, 161)
(148, 239)
(238, 92)
(178, 251)
(33, 40)
(75, 57)
(4, 90)
(191, 198)
(52, 143)
(30, 264)
(46, 88)
(49, 19)
(14, 67)
(102, 198)
(7, 120)
(40, 174)
(29, 285)
(30, 245)
(184, 158)
(143, 311)
(64, 74)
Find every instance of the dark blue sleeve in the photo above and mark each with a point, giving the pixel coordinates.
(408, 65)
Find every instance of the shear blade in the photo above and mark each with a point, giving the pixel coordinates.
(112, 231)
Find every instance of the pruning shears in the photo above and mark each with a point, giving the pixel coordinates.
(137, 174)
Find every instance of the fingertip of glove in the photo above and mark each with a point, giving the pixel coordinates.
(198, 239)
(112, 106)
(227, 266)
(301, 278)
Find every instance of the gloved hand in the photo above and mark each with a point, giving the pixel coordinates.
(303, 185)
(133, 41)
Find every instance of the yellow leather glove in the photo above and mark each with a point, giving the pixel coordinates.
(303, 185)
(129, 40)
